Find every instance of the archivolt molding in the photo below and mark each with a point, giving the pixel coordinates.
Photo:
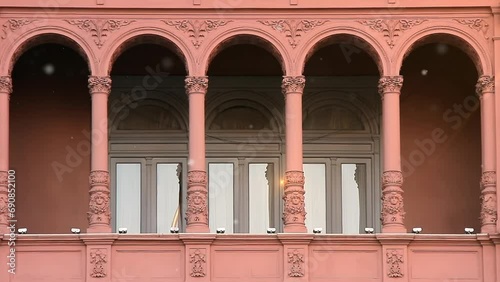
(15, 46)
(126, 38)
(246, 29)
(470, 40)
(357, 37)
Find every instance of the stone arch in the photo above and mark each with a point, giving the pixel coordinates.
(48, 34)
(348, 35)
(246, 35)
(451, 35)
(145, 35)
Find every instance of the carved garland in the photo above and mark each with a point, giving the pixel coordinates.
(295, 263)
(99, 84)
(6, 84)
(390, 84)
(3, 196)
(394, 263)
(488, 198)
(197, 30)
(98, 259)
(99, 29)
(392, 208)
(196, 84)
(391, 28)
(484, 84)
(293, 29)
(14, 24)
(293, 84)
(197, 260)
(479, 25)
(99, 208)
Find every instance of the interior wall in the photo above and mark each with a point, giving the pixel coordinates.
(440, 140)
(50, 111)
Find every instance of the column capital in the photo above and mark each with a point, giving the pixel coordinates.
(390, 84)
(99, 84)
(293, 84)
(485, 84)
(6, 84)
(196, 84)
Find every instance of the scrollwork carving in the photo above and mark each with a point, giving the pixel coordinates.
(391, 28)
(196, 84)
(390, 84)
(14, 24)
(295, 263)
(484, 84)
(99, 29)
(98, 260)
(293, 29)
(293, 84)
(197, 30)
(392, 178)
(394, 263)
(99, 84)
(479, 25)
(198, 261)
(6, 84)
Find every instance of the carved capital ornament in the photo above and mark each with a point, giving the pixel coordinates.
(99, 84)
(390, 84)
(485, 84)
(196, 84)
(293, 84)
(6, 84)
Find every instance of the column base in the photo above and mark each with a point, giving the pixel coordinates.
(488, 229)
(394, 228)
(295, 228)
(99, 229)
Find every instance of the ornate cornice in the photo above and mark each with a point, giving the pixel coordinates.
(197, 30)
(391, 28)
(484, 84)
(390, 84)
(479, 25)
(99, 84)
(6, 84)
(196, 84)
(14, 24)
(293, 29)
(99, 29)
(394, 263)
(293, 84)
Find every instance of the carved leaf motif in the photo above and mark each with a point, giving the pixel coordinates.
(390, 84)
(99, 84)
(295, 263)
(394, 263)
(478, 25)
(484, 84)
(197, 260)
(293, 84)
(14, 24)
(197, 210)
(392, 178)
(293, 29)
(488, 208)
(6, 84)
(98, 259)
(392, 208)
(391, 28)
(99, 211)
(196, 29)
(99, 29)
(196, 84)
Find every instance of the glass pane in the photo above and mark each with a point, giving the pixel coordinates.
(168, 193)
(350, 200)
(128, 197)
(260, 182)
(315, 196)
(220, 188)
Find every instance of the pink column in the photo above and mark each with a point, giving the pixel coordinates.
(5, 90)
(197, 210)
(99, 214)
(392, 178)
(294, 214)
(485, 88)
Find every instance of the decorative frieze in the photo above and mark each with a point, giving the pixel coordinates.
(295, 263)
(479, 25)
(196, 84)
(99, 29)
(392, 178)
(293, 84)
(6, 84)
(197, 29)
(99, 178)
(294, 178)
(391, 28)
(394, 263)
(485, 84)
(14, 24)
(198, 261)
(390, 84)
(99, 84)
(293, 29)
(98, 260)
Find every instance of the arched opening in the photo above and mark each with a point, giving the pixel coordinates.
(148, 113)
(50, 115)
(244, 107)
(341, 117)
(440, 138)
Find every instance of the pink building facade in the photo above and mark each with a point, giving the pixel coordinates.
(209, 114)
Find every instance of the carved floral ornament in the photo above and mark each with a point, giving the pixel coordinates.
(392, 208)
(479, 25)
(293, 29)
(197, 260)
(99, 178)
(197, 209)
(14, 24)
(98, 260)
(295, 263)
(197, 29)
(293, 84)
(6, 84)
(99, 211)
(390, 84)
(196, 84)
(394, 263)
(99, 84)
(484, 84)
(488, 178)
(488, 208)
(99, 29)
(391, 28)
(392, 178)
